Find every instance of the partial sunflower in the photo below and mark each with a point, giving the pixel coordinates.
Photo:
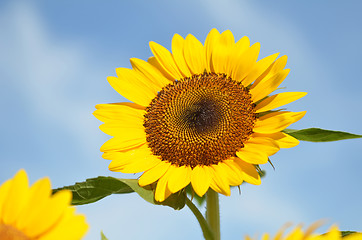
(298, 234)
(201, 115)
(33, 213)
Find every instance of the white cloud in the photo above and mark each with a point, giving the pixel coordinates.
(44, 70)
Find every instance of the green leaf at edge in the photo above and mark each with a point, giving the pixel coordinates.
(320, 135)
(103, 237)
(346, 233)
(95, 189)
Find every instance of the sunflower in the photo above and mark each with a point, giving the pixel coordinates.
(201, 115)
(298, 234)
(32, 213)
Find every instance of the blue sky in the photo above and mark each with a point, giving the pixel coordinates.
(54, 60)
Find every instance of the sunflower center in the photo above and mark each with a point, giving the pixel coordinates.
(201, 120)
(202, 116)
(8, 232)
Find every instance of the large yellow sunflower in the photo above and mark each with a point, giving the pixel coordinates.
(34, 214)
(298, 234)
(201, 115)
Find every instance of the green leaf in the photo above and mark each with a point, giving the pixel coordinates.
(177, 200)
(346, 233)
(103, 237)
(320, 135)
(95, 189)
(207, 232)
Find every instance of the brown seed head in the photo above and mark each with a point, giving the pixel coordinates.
(201, 120)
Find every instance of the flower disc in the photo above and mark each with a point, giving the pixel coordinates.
(201, 120)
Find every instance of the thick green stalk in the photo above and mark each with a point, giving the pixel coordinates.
(213, 212)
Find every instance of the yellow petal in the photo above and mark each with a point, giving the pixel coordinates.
(178, 44)
(165, 59)
(237, 52)
(278, 100)
(162, 192)
(259, 67)
(131, 128)
(149, 72)
(261, 144)
(233, 172)
(243, 63)
(135, 85)
(35, 207)
(153, 61)
(59, 204)
(153, 174)
(219, 181)
(134, 161)
(252, 155)
(136, 166)
(248, 172)
(123, 143)
(211, 41)
(44, 220)
(110, 106)
(118, 112)
(215, 187)
(279, 65)
(221, 52)
(266, 237)
(274, 68)
(232, 50)
(268, 85)
(242, 45)
(69, 223)
(131, 88)
(194, 53)
(200, 180)
(136, 154)
(227, 38)
(4, 189)
(277, 121)
(296, 234)
(17, 197)
(282, 139)
(179, 179)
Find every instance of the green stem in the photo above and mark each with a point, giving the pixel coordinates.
(213, 212)
(208, 235)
